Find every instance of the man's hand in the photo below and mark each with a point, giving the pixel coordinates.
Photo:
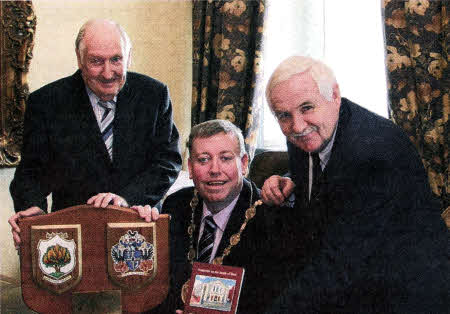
(105, 199)
(14, 219)
(276, 189)
(146, 212)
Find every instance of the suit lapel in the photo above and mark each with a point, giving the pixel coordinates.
(82, 105)
(301, 191)
(124, 120)
(197, 221)
(339, 158)
(87, 123)
(337, 167)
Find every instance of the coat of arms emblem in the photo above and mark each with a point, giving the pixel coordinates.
(56, 256)
(132, 253)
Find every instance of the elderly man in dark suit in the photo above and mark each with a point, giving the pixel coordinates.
(101, 136)
(365, 234)
(220, 219)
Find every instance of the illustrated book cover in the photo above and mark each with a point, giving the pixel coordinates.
(214, 289)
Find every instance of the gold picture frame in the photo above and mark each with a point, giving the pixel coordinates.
(17, 30)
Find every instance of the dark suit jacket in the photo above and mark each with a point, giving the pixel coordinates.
(372, 239)
(63, 152)
(250, 253)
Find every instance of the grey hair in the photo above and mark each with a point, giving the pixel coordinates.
(126, 42)
(322, 75)
(212, 127)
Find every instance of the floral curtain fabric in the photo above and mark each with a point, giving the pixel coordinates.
(227, 37)
(416, 34)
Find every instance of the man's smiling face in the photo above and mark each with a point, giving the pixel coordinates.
(305, 117)
(103, 59)
(217, 169)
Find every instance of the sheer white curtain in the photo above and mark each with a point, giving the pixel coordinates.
(347, 35)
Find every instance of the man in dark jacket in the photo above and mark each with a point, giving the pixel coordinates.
(222, 207)
(365, 234)
(100, 136)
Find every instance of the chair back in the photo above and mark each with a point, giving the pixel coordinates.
(266, 164)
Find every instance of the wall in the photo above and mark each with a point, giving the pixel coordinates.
(162, 48)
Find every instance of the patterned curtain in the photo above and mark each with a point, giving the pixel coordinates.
(227, 37)
(417, 34)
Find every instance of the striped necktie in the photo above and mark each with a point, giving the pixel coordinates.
(106, 126)
(206, 243)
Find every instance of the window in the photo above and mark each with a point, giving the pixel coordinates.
(347, 35)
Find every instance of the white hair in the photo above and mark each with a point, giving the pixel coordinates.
(322, 75)
(125, 39)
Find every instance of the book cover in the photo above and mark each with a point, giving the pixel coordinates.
(214, 289)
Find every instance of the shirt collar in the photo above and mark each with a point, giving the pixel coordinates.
(94, 98)
(221, 218)
(325, 153)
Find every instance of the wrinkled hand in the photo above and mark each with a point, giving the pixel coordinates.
(276, 189)
(105, 199)
(146, 212)
(14, 219)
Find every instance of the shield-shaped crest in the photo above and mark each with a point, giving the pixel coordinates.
(132, 257)
(56, 256)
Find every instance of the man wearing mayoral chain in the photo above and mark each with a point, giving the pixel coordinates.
(220, 220)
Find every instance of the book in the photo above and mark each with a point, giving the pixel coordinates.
(213, 289)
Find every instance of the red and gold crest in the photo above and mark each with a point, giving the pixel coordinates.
(132, 254)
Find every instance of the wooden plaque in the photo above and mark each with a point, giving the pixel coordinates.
(87, 250)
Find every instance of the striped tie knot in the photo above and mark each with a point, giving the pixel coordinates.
(106, 109)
